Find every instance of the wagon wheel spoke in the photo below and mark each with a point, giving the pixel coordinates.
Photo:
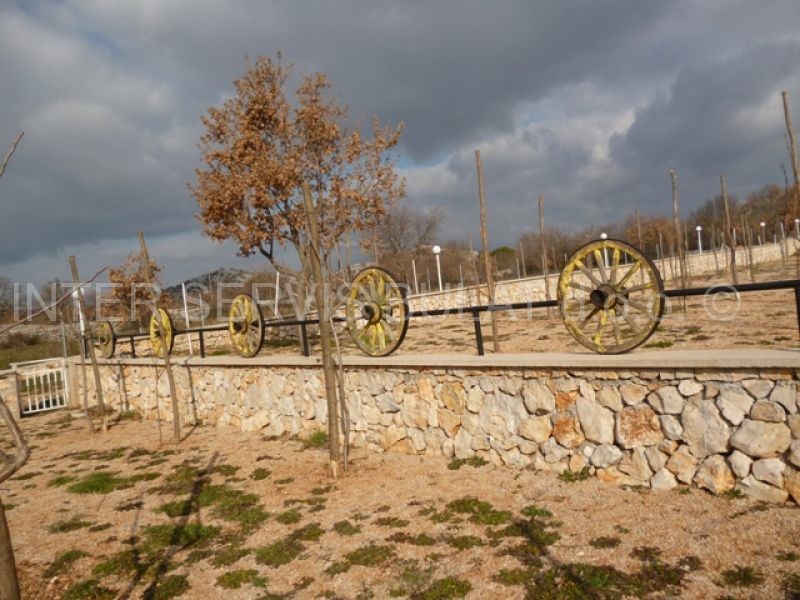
(600, 263)
(625, 317)
(376, 312)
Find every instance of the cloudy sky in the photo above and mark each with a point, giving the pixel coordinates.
(589, 103)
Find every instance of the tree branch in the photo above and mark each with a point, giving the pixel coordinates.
(10, 153)
(12, 465)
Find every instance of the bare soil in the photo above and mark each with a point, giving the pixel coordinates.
(263, 515)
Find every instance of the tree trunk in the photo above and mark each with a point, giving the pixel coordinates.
(325, 332)
(9, 586)
(486, 250)
(176, 417)
(89, 339)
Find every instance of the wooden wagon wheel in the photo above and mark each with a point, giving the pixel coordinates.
(104, 338)
(611, 296)
(377, 312)
(246, 326)
(159, 341)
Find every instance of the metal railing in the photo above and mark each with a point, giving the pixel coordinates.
(475, 312)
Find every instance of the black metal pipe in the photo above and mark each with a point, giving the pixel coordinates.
(202, 345)
(797, 305)
(133, 347)
(304, 336)
(476, 320)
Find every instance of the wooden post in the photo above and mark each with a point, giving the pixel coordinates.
(543, 252)
(176, 420)
(474, 262)
(729, 229)
(522, 256)
(89, 343)
(787, 115)
(485, 242)
(325, 331)
(678, 233)
(714, 247)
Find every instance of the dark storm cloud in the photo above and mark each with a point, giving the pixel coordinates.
(585, 102)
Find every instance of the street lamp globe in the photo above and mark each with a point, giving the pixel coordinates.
(604, 236)
(699, 228)
(437, 249)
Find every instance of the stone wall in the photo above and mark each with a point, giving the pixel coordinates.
(533, 288)
(713, 427)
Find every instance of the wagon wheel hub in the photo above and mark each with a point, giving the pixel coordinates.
(371, 313)
(607, 297)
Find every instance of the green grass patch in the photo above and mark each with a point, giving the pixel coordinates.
(229, 554)
(346, 528)
(61, 480)
(421, 539)
(787, 556)
(391, 522)
(259, 474)
(659, 344)
(446, 588)
(310, 533)
(570, 477)
(480, 512)
(742, 577)
(288, 517)
(317, 439)
(226, 470)
(474, 461)
(121, 564)
(62, 562)
(159, 537)
(514, 576)
(604, 542)
(285, 481)
(464, 542)
(233, 580)
(167, 587)
(280, 553)
(89, 590)
(66, 525)
(105, 482)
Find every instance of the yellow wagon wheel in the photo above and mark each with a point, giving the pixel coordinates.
(104, 339)
(246, 326)
(377, 312)
(161, 341)
(611, 296)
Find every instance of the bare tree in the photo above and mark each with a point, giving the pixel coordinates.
(405, 234)
(9, 584)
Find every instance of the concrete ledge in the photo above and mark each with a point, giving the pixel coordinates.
(663, 359)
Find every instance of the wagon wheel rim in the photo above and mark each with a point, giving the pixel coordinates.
(246, 326)
(610, 296)
(377, 312)
(104, 339)
(161, 344)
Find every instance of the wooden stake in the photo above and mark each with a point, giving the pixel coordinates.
(89, 340)
(522, 256)
(173, 395)
(678, 233)
(729, 229)
(543, 252)
(485, 242)
(787, 115)
(325, 332)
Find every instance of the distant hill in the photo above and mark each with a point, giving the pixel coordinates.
(223, 275)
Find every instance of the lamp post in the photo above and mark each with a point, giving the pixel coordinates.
(763, 233)
(699, 230)
(797, 228)
(414, 270)
(604, 236)
(437, 250)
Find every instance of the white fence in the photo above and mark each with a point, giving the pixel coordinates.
(41, 385)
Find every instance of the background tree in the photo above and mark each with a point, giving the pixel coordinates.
(403, 235)
(131, 296)
(6, 297)
(260, 146)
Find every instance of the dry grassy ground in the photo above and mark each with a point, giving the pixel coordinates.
(227, 514)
